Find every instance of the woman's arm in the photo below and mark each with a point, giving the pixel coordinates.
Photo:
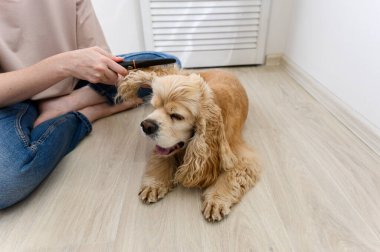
(92, 64)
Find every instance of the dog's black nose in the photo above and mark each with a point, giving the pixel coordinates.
(149, 126)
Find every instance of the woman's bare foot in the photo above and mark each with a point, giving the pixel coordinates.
(104, 109)
(79, 99)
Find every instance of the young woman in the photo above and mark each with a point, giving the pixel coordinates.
(46, 46)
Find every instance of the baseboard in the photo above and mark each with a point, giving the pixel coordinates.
(353, 120)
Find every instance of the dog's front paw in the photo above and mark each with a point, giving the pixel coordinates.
(153, 193)
(215, 209)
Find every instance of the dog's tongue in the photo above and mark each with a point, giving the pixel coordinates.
(162, 151)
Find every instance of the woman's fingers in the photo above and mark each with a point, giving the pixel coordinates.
(112, 62)
(117, 59)
(110, 77)
(117, 68)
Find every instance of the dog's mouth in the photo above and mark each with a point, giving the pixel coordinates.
(167, 151)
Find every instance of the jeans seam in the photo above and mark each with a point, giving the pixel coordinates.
(47, 133)
(18, 127)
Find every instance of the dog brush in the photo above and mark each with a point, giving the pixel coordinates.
(143, 63)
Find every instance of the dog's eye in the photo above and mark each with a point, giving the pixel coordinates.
(176, 117)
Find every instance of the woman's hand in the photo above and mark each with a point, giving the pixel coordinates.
(94, 65)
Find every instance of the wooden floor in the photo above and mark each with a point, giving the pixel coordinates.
(319, 191)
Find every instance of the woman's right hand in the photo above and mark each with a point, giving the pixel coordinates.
(94, 65)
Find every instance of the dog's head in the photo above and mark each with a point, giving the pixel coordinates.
(185, 116)
(176, 99)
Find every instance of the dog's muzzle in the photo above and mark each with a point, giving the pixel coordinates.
(149, 127)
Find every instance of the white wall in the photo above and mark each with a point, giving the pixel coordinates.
(121, 23)
(278, 27)
(338, 43)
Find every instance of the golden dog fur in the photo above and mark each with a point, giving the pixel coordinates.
(215, 105)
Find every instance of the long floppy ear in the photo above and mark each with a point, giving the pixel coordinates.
(128, 87)
(208, 151)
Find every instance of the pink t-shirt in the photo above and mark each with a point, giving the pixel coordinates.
(31, 30)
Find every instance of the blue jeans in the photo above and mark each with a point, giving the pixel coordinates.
(28, 155)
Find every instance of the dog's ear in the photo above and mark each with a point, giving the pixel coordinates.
(128, 87)
(208, 151)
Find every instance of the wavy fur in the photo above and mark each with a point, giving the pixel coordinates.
(215, 157)
(208, 151)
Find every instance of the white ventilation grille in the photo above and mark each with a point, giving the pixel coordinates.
(207, 33)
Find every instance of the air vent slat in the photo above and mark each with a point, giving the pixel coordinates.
(200, 36)
(201, 17)
(205, 30)
(205, 42)
(206, 47)
(203, 4)
(154, 1)
(214, 10)
(205, 23)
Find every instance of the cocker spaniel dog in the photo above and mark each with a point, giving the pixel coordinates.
(197, 126)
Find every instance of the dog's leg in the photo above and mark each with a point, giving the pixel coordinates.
(230, 186)
(158, 179)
